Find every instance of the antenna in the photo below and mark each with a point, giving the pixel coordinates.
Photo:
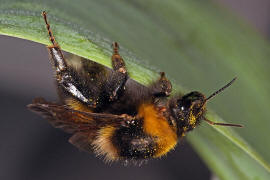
(214, 94)
(221, 89)
(222, 124)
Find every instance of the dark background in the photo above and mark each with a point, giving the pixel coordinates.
(31, 149)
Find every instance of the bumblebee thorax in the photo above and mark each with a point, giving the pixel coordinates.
(157, 125)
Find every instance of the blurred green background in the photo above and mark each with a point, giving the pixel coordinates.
(199, 44)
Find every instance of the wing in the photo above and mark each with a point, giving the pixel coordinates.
(84, 125)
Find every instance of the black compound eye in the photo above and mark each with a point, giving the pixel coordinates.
(191, 101)
(184, 105)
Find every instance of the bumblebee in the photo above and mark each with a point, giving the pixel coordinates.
(112, 115)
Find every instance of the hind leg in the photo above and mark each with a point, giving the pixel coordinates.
(66, 78)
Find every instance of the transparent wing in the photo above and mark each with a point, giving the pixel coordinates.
(71, 121)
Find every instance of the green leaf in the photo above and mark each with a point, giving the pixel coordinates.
(198, 44)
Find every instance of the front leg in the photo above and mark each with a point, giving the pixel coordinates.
(162, 87)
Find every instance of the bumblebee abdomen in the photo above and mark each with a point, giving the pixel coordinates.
(123, 143)
(149, 136)
(132, 143)
(103, 145)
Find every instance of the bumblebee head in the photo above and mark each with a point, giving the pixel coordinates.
(189, 110)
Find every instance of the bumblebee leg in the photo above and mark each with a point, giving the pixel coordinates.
(116, 82)
(67, 79)
(162, 87)
(118, 63)
(57, 56)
